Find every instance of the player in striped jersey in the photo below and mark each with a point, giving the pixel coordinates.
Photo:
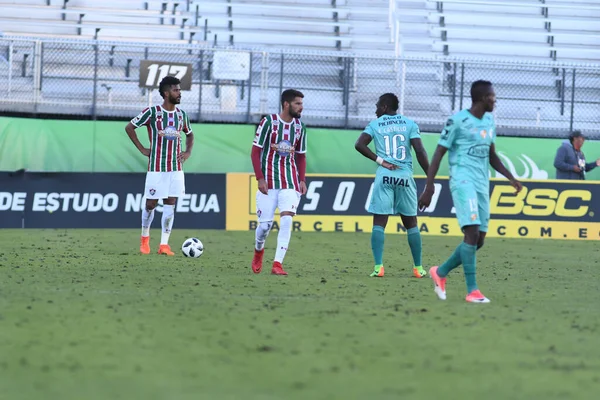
(164, 179)
(279, 162)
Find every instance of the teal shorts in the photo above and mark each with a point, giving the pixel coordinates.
(472, 205)
(394, 192)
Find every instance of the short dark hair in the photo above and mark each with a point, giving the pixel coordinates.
(479, 90)
(166, 84)
(289, 95)
(390, 100)
(575, 134)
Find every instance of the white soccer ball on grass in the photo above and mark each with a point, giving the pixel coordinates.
(192, 247)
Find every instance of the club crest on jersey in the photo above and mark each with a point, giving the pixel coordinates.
(473, 217)
(169, 133)
(283, 148)
(483, 133)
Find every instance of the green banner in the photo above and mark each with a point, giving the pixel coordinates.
(103, 146)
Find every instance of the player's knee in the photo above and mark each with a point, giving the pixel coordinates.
(287, 213)
(471, 236)
(151, 204)
(266, 226)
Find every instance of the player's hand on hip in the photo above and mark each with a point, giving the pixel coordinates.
(263, 187)
(517, 185)
(303, 188)
(389, 166)
(184, 155)
(576, 168)
(145, 151)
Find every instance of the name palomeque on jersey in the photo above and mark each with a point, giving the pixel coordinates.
(280, 141)
(164, 133)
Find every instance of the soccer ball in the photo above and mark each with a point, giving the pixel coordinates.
(192, 247)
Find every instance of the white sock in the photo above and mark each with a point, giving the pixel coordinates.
(262, 231)
(147, 217)
(283, 238)
(168, 215)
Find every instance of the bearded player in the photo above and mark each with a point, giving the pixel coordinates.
(279, 162)
(164, 179)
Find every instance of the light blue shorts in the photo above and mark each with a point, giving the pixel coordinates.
(394, 192)
(472, 205)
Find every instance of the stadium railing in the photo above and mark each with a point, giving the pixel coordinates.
(98, 78)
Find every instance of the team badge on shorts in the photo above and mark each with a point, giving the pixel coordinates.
(152, 191)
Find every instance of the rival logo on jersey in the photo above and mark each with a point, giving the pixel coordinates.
(283, 148)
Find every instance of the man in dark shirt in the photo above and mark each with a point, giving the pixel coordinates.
(570, 160)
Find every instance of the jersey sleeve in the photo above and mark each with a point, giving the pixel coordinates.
(187, 128)
(448, 135)
(262, 132)
(415, 132)
(301, 145)
(142, 119)
(369, 130)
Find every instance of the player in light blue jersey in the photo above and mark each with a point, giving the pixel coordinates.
(394, 190)
(469, 138)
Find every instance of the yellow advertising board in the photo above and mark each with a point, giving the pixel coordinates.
(338, 203)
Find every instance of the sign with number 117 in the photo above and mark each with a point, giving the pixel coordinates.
(152, 72)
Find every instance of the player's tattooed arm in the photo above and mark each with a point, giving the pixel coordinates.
(130, 129)
(425, 198)
(497, 164)
(362, 146)
(421, 153)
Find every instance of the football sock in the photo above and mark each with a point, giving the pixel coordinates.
(377, 242)
(283, 238)
(262, 231)
(452, 262)
(414, 242)
(168, 215)
(147, 217)
(467, 254)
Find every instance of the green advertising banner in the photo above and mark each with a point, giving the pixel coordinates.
(103, 146)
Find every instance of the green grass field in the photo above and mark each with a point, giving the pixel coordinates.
(83, 316)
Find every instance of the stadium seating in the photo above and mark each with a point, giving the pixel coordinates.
(317, 24)
(526, 29)
(520, 30)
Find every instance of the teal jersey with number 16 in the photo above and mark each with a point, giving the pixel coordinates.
(392, 135)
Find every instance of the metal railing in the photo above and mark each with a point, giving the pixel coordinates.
(100, 79)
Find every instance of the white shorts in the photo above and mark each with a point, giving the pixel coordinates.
(285, 199)
(160, 185)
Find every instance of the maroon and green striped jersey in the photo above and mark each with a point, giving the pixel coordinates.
(164, 132)
(279, 141)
